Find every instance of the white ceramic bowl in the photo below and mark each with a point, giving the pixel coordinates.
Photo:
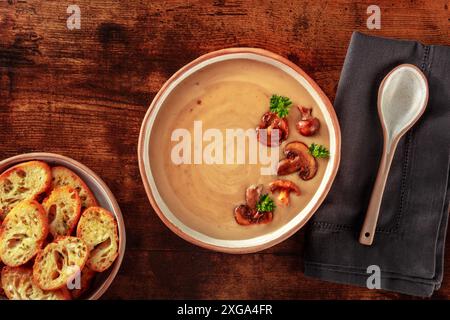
(104, 197)
(261, 242)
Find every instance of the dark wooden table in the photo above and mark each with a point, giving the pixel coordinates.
(83, 93)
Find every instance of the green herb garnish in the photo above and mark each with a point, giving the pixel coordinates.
(318, 151)
(265, 204)
(280, 105)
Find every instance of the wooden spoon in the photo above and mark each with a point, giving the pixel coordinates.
(402, 99)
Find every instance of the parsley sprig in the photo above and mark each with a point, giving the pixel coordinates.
(265, 204)
(280, 105)
(319, 151)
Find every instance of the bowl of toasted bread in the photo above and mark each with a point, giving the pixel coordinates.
(62, 233)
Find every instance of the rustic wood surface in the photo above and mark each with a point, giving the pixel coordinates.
(83, 93)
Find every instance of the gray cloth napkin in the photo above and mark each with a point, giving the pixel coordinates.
(409, 242)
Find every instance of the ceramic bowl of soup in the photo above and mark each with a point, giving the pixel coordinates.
(197, 172)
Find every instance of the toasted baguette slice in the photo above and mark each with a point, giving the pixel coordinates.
(24, 181)
(63, 208)
(18, 284)
(98, 228)
(23, 232)
(87, 276)
(65, 177)
(2, 292)
(59, 262)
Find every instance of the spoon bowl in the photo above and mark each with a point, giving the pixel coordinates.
(402, 99)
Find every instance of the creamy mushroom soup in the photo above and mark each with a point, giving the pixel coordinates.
(228, 95)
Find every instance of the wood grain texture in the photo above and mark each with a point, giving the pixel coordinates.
(83, 93)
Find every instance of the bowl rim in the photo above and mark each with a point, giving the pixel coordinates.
(46, 156)
(145, 123)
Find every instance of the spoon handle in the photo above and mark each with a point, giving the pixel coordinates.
(370, 222)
